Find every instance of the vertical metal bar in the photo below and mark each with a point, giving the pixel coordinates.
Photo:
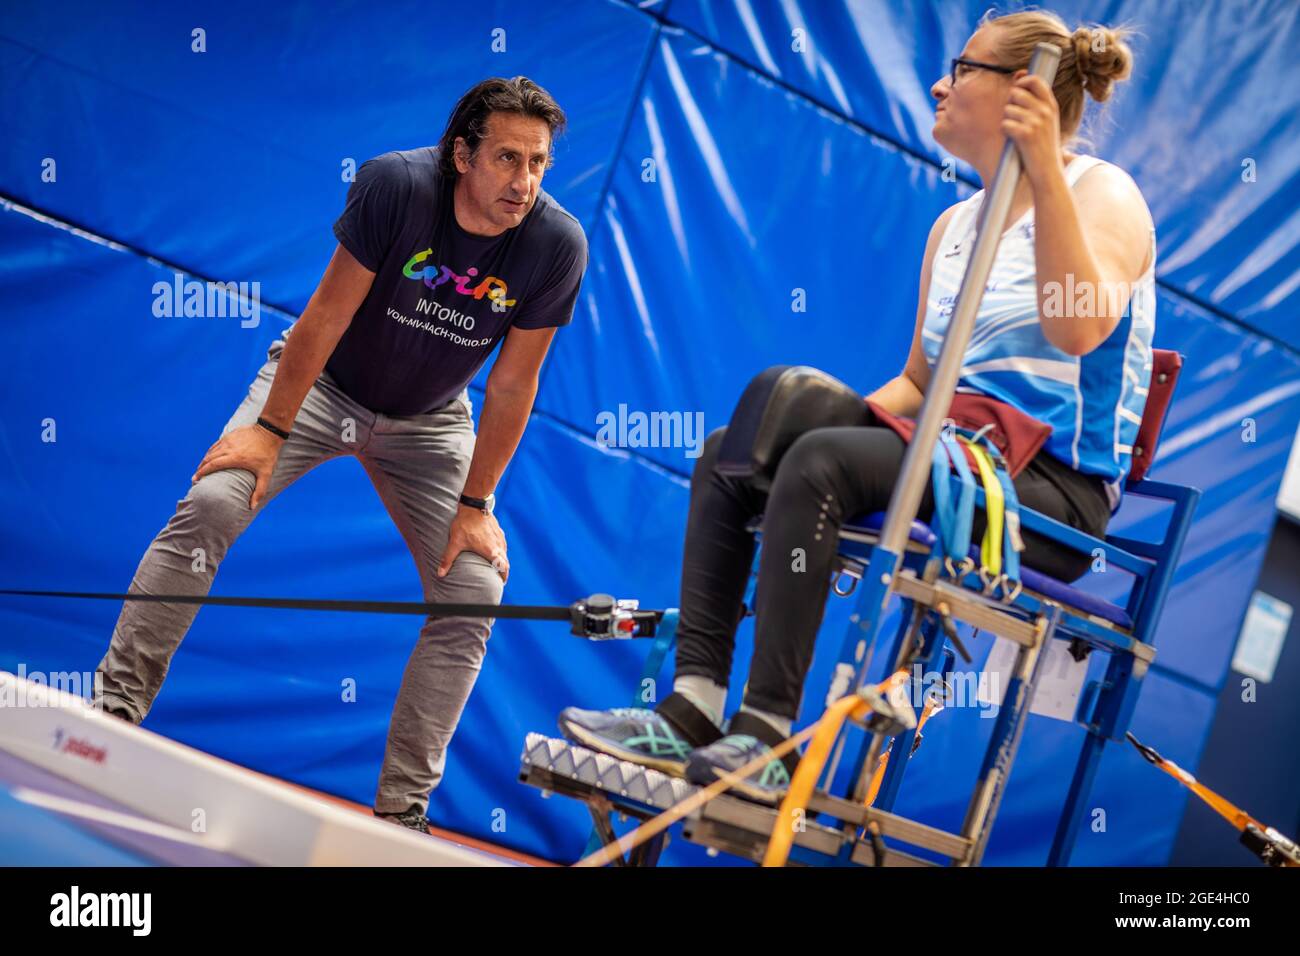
(915, 630)
(647, 854)
(1161, 581)
(910, 487)
(905, 645)
(603, 830)
(1067, 828)
(1007, 728)
(903, 650)
(901, 751)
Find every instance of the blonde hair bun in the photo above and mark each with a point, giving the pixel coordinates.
(1103, 59)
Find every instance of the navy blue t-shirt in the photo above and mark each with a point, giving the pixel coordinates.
(442, 298)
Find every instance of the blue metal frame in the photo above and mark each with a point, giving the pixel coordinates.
(1106, 706)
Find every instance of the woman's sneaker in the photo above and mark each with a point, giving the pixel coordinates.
(661, 738)
(747, 738)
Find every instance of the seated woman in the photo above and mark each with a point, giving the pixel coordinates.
(1080, 364)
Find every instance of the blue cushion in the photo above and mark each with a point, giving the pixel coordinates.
(1047, 586)
(1074, 598)
(874, 524)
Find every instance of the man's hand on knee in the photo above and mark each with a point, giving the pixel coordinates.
(252, 448)
(472, 530)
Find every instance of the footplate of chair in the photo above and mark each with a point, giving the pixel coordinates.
(575, 771)
(740, 827)
(730, 824)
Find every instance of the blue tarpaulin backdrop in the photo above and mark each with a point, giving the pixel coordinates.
(724, 157)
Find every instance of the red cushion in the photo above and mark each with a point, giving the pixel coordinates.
(1165, 366)
(1017, 435)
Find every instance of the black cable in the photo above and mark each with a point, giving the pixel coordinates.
(536, 612)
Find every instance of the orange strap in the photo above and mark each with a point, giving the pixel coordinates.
(932, 706)
(824, 730)
(656, 825)
(794, 806)
(1238, 817)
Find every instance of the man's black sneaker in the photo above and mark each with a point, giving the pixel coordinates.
(412, 819)
(116, 711)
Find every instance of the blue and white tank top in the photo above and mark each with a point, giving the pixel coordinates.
(1093, 402)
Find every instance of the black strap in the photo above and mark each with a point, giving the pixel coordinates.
(511, 611)
(688, 720)
(746, 723)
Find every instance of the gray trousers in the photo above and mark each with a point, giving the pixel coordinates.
(418, 466)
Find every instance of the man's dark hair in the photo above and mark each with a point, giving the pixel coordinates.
(519, 95)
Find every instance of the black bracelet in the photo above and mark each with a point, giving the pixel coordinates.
(278, 432)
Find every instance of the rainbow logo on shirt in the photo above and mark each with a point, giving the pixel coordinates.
(434, 276)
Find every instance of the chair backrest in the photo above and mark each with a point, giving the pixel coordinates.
(1165, 366)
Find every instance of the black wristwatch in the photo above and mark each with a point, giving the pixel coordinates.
(485, 505)
(273, 429)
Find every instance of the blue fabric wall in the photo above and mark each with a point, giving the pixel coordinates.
(773, 171)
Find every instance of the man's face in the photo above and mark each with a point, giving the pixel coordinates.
(499, 183)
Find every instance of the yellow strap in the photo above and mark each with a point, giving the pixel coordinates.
(811, 764)
(994, 507)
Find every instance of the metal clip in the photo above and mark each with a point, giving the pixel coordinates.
(950, 629)
(890, 713)
(987, 581)
(846, 571)
(958, 572)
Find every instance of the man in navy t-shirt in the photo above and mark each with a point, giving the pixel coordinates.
(444, 254)
(444, 293)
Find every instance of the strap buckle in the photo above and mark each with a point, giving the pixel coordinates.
(956, 572)
(989, 581)
(1010, 590)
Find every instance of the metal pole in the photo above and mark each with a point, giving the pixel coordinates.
(910, 487)
(1007, 730)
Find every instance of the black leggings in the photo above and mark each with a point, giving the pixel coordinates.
(828, 476)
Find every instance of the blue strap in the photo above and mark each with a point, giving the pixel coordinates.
(955, 524)
(665, 637)
(943, 512)
(966, 504)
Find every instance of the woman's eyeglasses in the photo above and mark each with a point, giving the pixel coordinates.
(975, 65)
